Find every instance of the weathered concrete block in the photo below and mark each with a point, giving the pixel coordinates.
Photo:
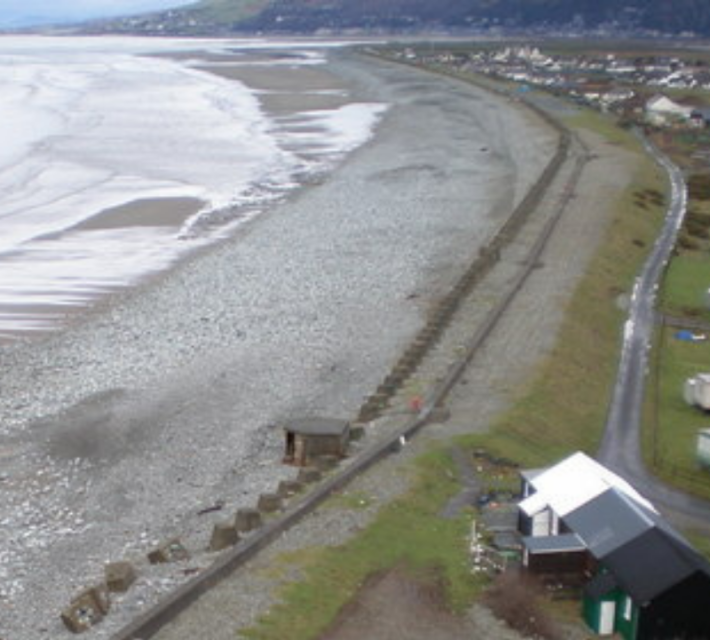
(308, 475)
(326, 463)
(357, 432)
(394, 379)
(81, 616)
(170, 551)
(439, 415)
(86, 610)
(369, 407)
(99, 594)
(380, 399)
(460, 289)
(386, 389)
(430, 331)
(414, 354)
(367, 413)
(224, 535)
(288, 488)
(247, 520)
(269, 502)
(119, 576)
(403, 370)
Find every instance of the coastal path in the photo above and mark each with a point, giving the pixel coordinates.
(620, 448)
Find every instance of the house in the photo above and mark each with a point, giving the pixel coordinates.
(661, 110)
(553, 493)
(704, 448)
(700, 117)
(311, 438)
(641, 578)
(616, 96)
(696, 391)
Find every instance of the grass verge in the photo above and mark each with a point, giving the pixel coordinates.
(669, 441)
(686, 285)
(405, 533)
(671, 426)
(564, 407)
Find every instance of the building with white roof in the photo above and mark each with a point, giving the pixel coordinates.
(642, 579)
(556, 492)
(660, 110)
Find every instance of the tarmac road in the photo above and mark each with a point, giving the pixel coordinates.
(620, 449)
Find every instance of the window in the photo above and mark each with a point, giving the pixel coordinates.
(628, 608)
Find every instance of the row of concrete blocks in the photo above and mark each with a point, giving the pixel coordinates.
(427, 337)
(93, 604)
(227, 534)
(487, 258)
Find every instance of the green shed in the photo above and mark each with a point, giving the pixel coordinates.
(608, 610)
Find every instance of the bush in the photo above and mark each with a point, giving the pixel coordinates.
(696, 230)
(688, 244)
(514, 598)
(699, 187)
(698, 218)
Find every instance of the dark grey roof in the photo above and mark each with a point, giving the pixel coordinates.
(317, 426)
(609, 521)
(651, 564)
(643, 552)
(565, 543)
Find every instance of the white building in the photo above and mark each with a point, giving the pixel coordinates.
(661, 110)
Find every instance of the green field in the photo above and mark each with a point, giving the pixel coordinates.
(672, 427)
(227, 11)
(686, 287)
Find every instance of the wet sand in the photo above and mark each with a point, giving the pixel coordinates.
(157, 212)
(284, 92)
(119, 431)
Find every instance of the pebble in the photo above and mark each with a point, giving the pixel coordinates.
(312, 310)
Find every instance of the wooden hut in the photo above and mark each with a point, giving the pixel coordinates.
(311, 438)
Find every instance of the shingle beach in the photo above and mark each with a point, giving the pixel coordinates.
(161, 403)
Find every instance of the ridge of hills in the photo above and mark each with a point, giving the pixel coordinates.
(220, 17)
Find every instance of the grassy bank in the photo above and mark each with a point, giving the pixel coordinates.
(406, 533)
(564, 407)
(671, 425)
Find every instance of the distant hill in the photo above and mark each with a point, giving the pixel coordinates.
(309, 16)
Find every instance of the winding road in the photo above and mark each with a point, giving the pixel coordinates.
(620, 448)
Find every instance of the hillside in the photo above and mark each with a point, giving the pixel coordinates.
(215, 17)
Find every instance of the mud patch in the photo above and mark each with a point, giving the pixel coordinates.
(394, 605)
(100, 428)
(408, 173)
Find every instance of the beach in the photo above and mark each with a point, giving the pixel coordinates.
(389, 604)
(165, 400)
